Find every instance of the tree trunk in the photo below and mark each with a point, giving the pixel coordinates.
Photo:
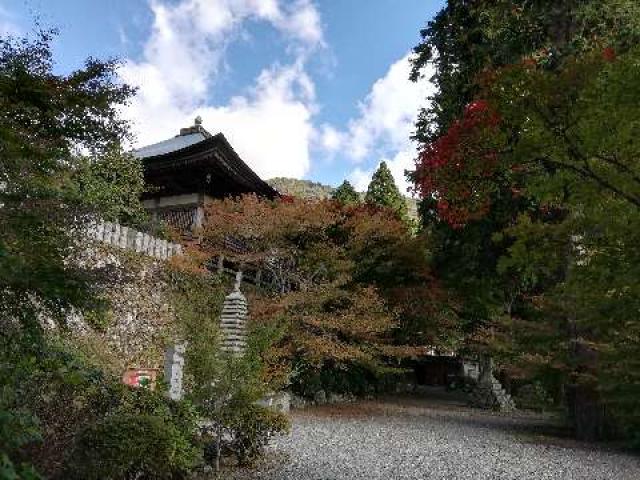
(586, 412)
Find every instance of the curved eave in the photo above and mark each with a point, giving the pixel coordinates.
(214, 155)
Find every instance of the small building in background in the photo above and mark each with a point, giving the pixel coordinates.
(185, 172)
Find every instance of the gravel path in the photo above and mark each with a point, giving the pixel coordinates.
(416, 439)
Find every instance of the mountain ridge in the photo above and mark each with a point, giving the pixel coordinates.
(319, 191)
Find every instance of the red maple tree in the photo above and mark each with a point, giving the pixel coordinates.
(454, 168)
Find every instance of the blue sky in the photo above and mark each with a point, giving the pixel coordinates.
(301, 88)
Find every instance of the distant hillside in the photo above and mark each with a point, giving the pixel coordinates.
(309, 189)
(301, 188)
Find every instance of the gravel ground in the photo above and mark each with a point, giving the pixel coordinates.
(419, 439)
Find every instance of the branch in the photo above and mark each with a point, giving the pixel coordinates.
(587, 171)
(619, 165)
(589, 174)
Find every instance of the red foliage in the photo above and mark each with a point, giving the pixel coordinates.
(609, 54)
(450, 170)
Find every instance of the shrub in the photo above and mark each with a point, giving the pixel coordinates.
(247, 431)
(45, 395)
(252, 429)
(132, 446)
(60, 413)
(147, 436)
(224, 388)
(9, 471)
(533, 396)
(16, 430)
(351, 379)
(236, 424)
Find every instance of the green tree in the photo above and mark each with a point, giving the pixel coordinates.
(528, 194)
(491, 34)
(61, 167)
(383, 192)
(346, 194)
(224, 387)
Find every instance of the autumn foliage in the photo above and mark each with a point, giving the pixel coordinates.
(454, 169)
(336, 272)
(299, 245)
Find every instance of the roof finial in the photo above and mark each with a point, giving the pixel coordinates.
(198, 120)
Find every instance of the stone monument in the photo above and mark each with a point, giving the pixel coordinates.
(173, 369)
(233, 320)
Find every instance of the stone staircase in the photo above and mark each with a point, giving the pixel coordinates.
(490, 395)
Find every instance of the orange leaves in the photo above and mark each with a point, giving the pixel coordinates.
(368, 226)
(358, 313)
(191, 262)
(250, 217)
(334, 257)
(318, 349)
(263, 225)
(331, 322)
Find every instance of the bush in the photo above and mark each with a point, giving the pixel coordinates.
(533, 396)
(350, 379)
(252, 429)
(132, 446)
(55, 407)
(236, 424)
(16, 430)
(146, 437)
(245, 432)
(9, 471)
(43, 399)
(223, 387)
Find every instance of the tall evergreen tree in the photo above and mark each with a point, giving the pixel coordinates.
(346, 194)
(383, 191)
(525, 87)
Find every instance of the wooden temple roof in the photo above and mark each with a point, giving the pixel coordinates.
(196, 161)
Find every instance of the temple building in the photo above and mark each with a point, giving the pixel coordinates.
(189, 170)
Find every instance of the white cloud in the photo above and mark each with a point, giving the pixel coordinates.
(330, 139)
(122, 35)
(302, 22)
(385, 124)
(388, 113)
(270, 126)
(360, 178)
(398, 164)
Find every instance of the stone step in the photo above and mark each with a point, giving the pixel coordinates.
(235, 338)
